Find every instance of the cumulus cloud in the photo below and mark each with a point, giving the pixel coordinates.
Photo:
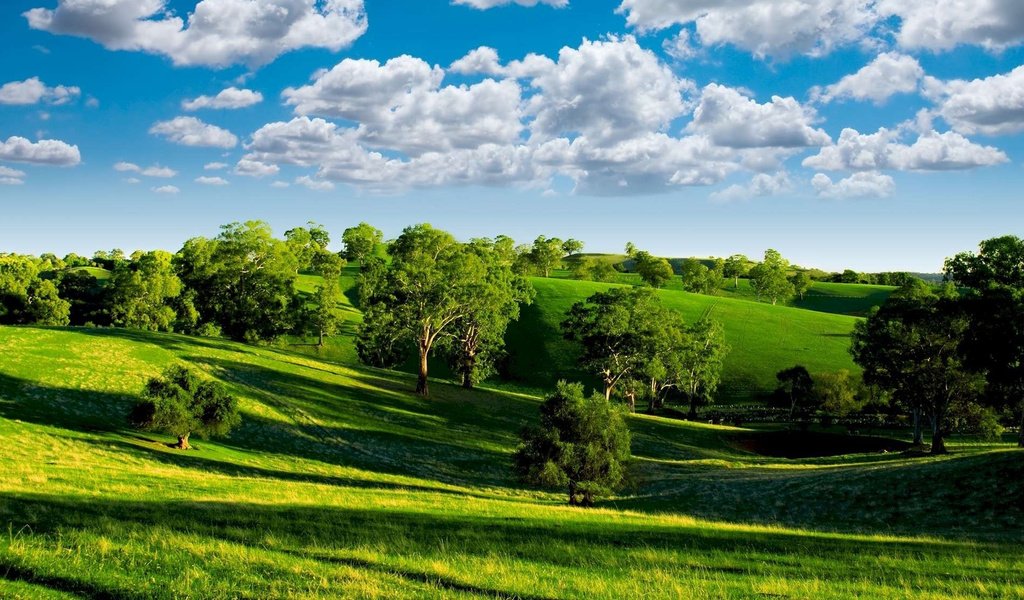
(229, 98)
(776, 28)
(943, 25)
(866, 184)
(190, 131)
(166, 189)
(888, 74)
(732, 119)
(43, 152)
(34, 91)
(401, 105)
(318, 185)
(217, 33)
(9, 176)
(151, 171)
(255, 168)
(215, 166)
(990, 106)
(761, 185)
(932, 151)
(212, 180)
(482, 61)
(486, 4)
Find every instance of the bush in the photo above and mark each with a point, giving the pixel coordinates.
(180, 403)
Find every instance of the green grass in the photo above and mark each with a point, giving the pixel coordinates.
(102, 275)
(341, 483)
(839, 298)
(764, 339)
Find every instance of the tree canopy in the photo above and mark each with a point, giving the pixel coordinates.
(181, 403)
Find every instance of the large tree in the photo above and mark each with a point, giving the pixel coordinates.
(572, 247)
(798, 386)
(736, 266)
(181, 403)
(322, 317)
(429, 285)
(546, 254)
(244, 281)
(695, 276)
(582, 446)
(308, 244)
(801, 283)
(360, 241)
(140, 293)
(770, 278)
(614, 329)
(994, 281)
(654, 271)
(27, 299)
(701, 359)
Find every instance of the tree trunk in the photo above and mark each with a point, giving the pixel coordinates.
(572, 493)
(183, 442)
(918, 436)
(938, 444)
(421, 383)
(692, 416)
(608, 390)
(467, 371)
(321, 343)
(631, 401)
(736, 283)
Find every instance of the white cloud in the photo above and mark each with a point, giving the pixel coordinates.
(486, 4)
(190, 131)
(482, 61)
(166, 189)
(151, 171)
(318, 185)
(34, 91)
(736, 121)
(280, 184)
(761, 185)
(212, 180)
(607, 90)
(866, 184)
(944, 24)
(990, 106)
(132, 180)
(255, 168)
(888, 74)
(776, 28)
(127, 167)
(229, 98)
(680, 47)
(932, 151)
(218, 33)
(215, 166)
(9, 176)
(401, 105)
(43, 152)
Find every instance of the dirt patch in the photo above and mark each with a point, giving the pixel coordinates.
(810, 444)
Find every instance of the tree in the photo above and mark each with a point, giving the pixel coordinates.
(308, 245)
(694, 275)
(140, 292)
(323, 317)
(839, 393)
(912, 347)
(715, 277)
(799, 388)
(769, 278)
(478, 336)
(85, 295)
(546, 254)
(701, 359)
(27, 299)
(655, 271)
(181, 403)
(736, 266)
(801, 283)
(994, 278)
(44, 306)
(572, 247)
(360, 241)
(244, 281)
(582, 268)
(429, 285)
(614, 328)
(582, 446)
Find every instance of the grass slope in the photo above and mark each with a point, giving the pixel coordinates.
(341, 483)
(764, 339)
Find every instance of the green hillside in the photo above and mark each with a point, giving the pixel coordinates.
(764, 339)
(840, 298)
(341, 483)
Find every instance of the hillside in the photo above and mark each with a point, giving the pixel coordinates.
(764, 339)
(341, 482)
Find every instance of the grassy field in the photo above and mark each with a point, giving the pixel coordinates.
(341, 483)
(764, 339)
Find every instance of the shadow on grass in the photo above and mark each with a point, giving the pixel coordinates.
(12, 572)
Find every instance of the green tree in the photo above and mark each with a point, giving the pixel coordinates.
(798, 387)
(16, 275)
(736, 266)
(141, 291)
(44, 306)
(244, 280)
(84, 293)
(360, 241)
(582, 446)
(308, 245)
(323, 318)
(614, 329)
(181, 403)
(655, 272)
(701, 358)
(694, 275)
(801, 283)
(546, 254)
(838, 393)
(769, 278)
(572, 247)
(429, 285)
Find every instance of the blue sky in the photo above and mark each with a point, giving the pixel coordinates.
(871, 134)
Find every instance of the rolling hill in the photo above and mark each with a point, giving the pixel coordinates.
(340, 482)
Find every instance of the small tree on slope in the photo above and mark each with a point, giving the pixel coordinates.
(180, 403)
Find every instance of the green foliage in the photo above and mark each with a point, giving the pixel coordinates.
(85, 294)
(27, 299)
(244, 281)
(181, 403)
(734, 267)
(654, 271)
(839, 393)
(141, 292)
(322, 318)
(360, 241)
(582, 445)
(571, 247)
(770, 279)
(696, 277)
(546, 254)
(308, 245)
(801, 282)
(798, 388)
